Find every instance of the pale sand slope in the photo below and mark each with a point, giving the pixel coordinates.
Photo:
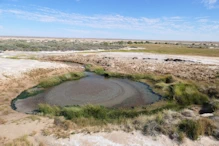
(15, 67)
(119, 138)
(14, 78)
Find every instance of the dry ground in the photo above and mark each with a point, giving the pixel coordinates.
(186, 67)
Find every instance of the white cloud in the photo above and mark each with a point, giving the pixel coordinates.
(1, 27)
(104, 25)
(98, 21)
(203, 20)
(209, 3)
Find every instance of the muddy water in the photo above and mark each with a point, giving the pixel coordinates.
(93, 89)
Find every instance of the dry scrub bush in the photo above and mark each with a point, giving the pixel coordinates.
(193, 129)
(64, 124)
(2, 121)
(22, 141)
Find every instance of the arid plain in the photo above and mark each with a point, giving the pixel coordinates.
(185, 74)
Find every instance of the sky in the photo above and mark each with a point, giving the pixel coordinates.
(193, 20)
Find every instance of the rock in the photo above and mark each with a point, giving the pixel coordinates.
(207, 115)
(188, 113)
(207, 108)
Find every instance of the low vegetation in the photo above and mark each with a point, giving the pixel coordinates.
(187, 94)
(22, 141)
(173, 49)
(96, 112)
(56, 45)
(157, 118)
(193, 129)
(50, 82)
(2, 121)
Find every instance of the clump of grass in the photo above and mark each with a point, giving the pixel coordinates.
(88, 67)
(42, 144)
(49, 110)
(187, 94)
(181, 136)
(183, 93)
(193, 129)
(22, 141)
(100, 115)
(159, 119)
(2, 121)
(207, 126)
(64, 124)
(97, 69)
(137, 77)
(59, 79)
(46, 132)
(89, 111)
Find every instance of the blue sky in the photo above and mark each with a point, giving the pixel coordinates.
(127, 19)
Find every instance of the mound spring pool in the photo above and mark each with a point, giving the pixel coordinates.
(92, 89)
